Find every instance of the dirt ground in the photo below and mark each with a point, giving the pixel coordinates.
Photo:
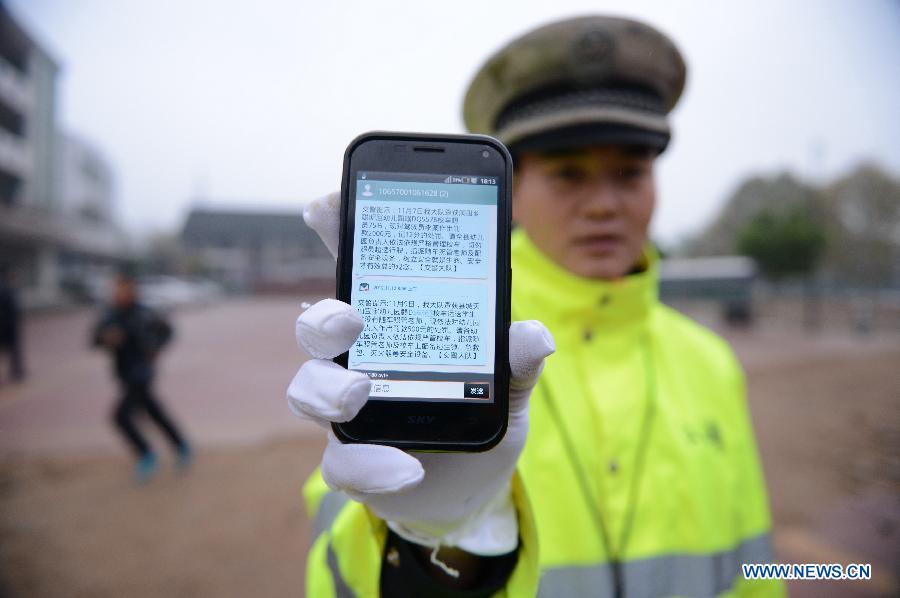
(72, 523)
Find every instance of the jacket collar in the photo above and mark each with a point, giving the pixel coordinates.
(545, 291)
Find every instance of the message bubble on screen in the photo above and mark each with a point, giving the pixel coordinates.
(422, 238)
(426, 324)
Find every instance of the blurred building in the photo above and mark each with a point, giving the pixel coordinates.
(56, 218)
(85, 181)
(27, 117)
(256, 251)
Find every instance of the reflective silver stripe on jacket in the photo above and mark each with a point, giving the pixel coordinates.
(329, 507)
(694, 575)
(341, 589)
(587, 580)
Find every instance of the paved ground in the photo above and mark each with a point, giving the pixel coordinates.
(826, 409)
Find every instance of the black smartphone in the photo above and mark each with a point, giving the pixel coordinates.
(424, 258)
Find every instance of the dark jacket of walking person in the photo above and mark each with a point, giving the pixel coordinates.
(134, 335)
(10, 325)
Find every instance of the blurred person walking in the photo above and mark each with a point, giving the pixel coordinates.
(10, 324)
(134, 335)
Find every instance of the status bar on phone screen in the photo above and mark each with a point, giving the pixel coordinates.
(419, 177)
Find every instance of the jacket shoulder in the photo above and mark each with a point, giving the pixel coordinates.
(146, 311)
(691, 340)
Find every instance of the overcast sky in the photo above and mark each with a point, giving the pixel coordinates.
(252, 103)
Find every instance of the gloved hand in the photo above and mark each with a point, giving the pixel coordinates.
(433, 499)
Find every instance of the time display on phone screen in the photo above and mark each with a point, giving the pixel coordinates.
(424, 280)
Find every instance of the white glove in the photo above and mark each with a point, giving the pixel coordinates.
(433, 499)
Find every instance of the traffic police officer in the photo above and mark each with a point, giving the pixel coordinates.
(640, 475)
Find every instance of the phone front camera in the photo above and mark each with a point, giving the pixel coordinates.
(485, 154)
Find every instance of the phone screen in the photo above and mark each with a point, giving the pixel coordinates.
(424, 280)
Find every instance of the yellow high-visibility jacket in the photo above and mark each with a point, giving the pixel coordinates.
(640, 472)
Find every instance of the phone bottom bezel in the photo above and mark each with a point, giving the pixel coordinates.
(456, 427)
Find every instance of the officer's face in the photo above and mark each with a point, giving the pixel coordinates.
(588, 210)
